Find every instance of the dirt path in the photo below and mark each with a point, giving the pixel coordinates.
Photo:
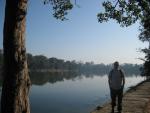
(136, 100)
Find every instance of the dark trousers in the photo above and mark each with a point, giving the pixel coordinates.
(116, 94)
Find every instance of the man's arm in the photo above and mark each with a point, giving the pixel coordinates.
(123, 78)
(109, 79)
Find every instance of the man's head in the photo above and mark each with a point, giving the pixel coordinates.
(116, 65)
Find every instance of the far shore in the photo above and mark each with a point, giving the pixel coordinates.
(53, 70)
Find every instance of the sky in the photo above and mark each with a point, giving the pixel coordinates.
(81, 38)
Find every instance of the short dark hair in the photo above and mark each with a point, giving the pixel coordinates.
(116, 62)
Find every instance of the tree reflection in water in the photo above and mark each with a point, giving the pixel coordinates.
(41, 78)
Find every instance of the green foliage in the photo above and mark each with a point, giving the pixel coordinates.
(40, 62)
(145, 71)
(145, 29)
(124, 12)
(127, 13)
(60, 8)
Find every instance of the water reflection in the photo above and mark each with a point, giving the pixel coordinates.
(41, 78)
(70, 92)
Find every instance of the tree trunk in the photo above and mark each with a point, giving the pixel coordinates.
(16, 82)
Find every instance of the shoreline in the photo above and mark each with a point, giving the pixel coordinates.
(135, 100)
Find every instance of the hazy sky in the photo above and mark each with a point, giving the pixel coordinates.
(81, 37)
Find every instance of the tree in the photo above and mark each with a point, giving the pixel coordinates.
(127, 13)
(1, 58)
(145, 37)
(16, 82)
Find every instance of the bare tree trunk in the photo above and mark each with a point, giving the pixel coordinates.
(16, 82)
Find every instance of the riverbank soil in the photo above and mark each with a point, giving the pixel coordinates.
(135, 100)
(147, 109)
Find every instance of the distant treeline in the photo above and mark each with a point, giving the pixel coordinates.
(42, 64)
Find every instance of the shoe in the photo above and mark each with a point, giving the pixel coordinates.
(119, 109)
(112, 111)
(99, 107)
(119, 112)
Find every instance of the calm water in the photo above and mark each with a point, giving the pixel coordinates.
(76, 94)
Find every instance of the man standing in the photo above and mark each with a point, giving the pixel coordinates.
(116, 82)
